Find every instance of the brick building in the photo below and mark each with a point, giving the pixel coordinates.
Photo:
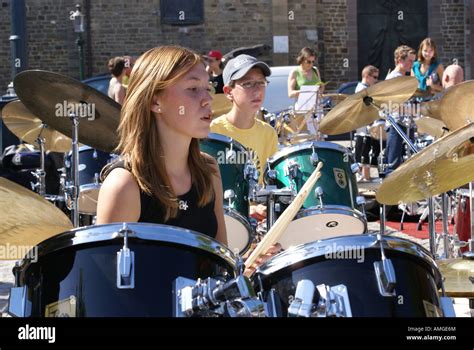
(348, 34)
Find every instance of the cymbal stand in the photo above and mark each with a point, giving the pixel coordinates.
(382, 168)
(72, 189)
(40, 174)
(370, 102)
(445, 234)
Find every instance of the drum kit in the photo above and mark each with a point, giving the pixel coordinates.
(331, 266)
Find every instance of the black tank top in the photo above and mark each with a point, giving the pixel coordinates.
(190, 216)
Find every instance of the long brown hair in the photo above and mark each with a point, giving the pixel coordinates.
(430, 43)
(139, 141)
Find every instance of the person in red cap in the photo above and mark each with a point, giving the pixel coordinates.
(214, 68)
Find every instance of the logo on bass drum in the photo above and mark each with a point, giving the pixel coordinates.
(340, 177)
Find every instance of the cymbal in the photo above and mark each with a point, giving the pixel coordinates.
(422, 93)
(26, 217)
(445, 164)
(376, 129)
(431, 109)
(28, 128)
(431, 126)
(220, 105)
(52, 97)
(353, 113)
(457, 105)
(456, 273)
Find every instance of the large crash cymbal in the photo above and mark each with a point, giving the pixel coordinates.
(431, 126)
(458, 274)
(431, 109)
(457, 105)
(353, 113)
(26, 217)
(52, 97)
(220, 105)
(444, 165)
(28, 128)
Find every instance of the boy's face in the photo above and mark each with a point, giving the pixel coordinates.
(407, 63)
(249, 91)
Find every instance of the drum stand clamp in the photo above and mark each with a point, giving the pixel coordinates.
(333, 301)
(213, 298)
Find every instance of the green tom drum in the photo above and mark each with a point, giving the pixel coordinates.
(331, 208)
(232, 159)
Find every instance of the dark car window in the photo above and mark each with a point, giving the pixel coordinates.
(100, 83)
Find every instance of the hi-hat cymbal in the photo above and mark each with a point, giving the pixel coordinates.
(457, 274)
(28, 128)
(353, 113)
(220, 105)
(52, 97)
(457, 105)
(445, 164)
(26, 217)
(431, 126)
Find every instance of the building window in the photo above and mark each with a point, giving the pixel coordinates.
(182, 12)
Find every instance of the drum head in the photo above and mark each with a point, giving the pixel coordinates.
(315, 224)
(238, 232)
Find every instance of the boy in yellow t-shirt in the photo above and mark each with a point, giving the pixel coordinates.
(244, 84)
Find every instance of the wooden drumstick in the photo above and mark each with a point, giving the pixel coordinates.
(284, 220)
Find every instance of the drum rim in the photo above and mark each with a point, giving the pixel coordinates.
(332, 209)
(316, 249)
(303, 146)
(243, 220)
(146, 231)
(224, 138)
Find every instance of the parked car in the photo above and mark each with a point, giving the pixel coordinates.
(99, 82)
(276, 97)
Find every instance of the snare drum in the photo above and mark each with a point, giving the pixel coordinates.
(331, 208)
(232, 157)
(463, 216)
(346, 266)
(79, 273)
(91, 162)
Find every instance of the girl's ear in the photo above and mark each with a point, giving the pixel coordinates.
(155, 106)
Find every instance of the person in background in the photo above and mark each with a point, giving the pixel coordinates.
(452, 75)
(117, 67)
(215, 69)
(427, 69)
(305, 74)
(404, 57)
(363, 142)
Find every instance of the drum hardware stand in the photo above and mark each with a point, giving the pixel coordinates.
(385, 272)
(40, 174)
(333, 301)
(368, 101)
(251, 174)
(72, 190)
(211, 297)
